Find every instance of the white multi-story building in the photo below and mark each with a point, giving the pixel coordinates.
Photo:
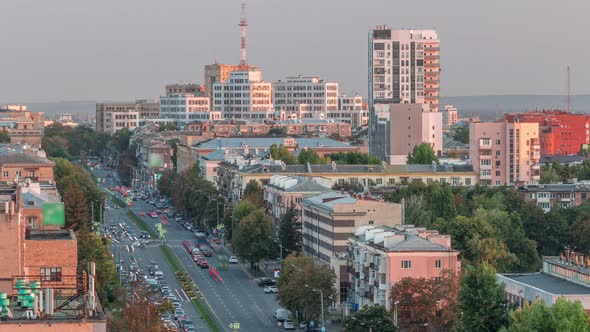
(404, 67)
(351, 103)
(311, 93)
(244, 96)
(181, 109)
(112, 117)
(356, 118)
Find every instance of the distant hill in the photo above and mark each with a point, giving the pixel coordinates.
(486, 107)
(490, 107)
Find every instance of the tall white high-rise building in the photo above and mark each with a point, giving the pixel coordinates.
(244, 96)
(404, 68)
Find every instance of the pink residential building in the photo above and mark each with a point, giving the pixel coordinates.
(381, 256)
(504, 153)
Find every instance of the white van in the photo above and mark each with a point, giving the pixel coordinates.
(159, 275)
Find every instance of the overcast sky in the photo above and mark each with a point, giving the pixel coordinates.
(128, 49)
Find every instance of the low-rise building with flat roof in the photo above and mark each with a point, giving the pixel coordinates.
(548, 196)
(566, 276)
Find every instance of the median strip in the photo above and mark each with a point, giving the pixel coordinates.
(192, 290)
(141, 224)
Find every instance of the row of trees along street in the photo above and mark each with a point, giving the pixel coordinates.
(84, 204)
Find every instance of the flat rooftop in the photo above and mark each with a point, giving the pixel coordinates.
(549, 283)
(51, 235)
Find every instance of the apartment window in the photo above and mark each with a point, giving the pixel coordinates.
(467, 181)
(31, 174)
(437, 264)
(5, 174)
(406, 265)
(497, 142)
(51, 274)
(497, 173)
(429, 180)
(485, 162)
(379, 181)
(497, 153)
(18, 173)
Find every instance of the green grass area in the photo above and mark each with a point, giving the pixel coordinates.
(141, 224)
(179, 270)
(119, 202)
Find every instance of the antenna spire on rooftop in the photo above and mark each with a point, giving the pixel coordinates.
(243, 24)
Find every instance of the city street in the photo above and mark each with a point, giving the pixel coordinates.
(235, 300)
(121, 250)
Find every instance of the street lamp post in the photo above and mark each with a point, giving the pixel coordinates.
(317, 290)
(395, 313)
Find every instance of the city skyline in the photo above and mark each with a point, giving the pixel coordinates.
(68, 51)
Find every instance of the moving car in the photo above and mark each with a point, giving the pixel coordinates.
(233, 259)
(262, 282)
(271, 289)
(281, 314)
(289, 325)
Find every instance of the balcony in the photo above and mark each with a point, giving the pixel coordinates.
(485, 144)
(431, 57)
(431, 65)
(483, 176)
(486, 167)
(431, 48)
(431, 81)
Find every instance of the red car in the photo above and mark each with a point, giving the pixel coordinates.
(142, 214)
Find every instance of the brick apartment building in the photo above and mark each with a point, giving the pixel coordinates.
(23, 126)
(562, 133)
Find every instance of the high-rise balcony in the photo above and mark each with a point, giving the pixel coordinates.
(431, 65)
(431, 57)
(431, 48)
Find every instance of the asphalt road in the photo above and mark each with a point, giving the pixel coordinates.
(235, 300)
(116, 216)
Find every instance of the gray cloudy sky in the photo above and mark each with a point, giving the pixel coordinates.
(127, 49)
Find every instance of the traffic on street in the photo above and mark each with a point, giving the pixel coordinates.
(235, 298)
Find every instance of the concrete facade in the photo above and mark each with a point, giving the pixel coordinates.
(331, 218)
(411, 125)
(381, 256)
(403, 68)
(315, 93)
(504, 153)
(548, 196)
(182, 109)
(450, 116)
(112, 117)
(244, 95)
(217, 73)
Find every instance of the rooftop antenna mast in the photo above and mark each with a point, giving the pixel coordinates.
(243, 24)
(569, 91)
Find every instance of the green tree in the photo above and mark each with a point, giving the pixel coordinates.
(491, 251)
(76, 206)
(563, 316)
(422, 154)
(233, 218)
(277, 131)
(482, 303)
(461, 134)
(4, 137)
(549, 175)
(442, 202)
(375, 318)
(416, 212)
(95, 248)
(282, 153)
(353, 158)
(254, 236)
(253, 193)
(290, 236)
(310, 156)
(167, 127)
(299, 277)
